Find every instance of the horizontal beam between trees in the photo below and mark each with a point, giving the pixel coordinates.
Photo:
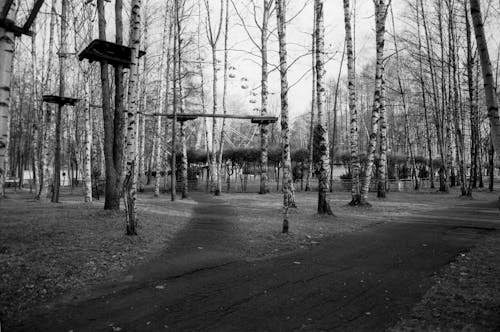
(193, 116)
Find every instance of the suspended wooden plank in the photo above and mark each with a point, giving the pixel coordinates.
(52, 99)
(114, 54)
(183, 117)
(264, 119)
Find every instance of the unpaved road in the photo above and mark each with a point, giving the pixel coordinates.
(360, 281)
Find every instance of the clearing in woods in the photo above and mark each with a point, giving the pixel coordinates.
(221, 264)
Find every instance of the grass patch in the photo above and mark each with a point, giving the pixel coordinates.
(465, 295)
(48, 249)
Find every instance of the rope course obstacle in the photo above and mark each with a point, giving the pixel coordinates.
(183, 117)
(114, 54)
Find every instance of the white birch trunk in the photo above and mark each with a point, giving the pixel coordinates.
(168, 105)
(310, 165)
(158, 136)
(182, 127)
(184, 161)
(141, 119)
(37, 135)
(218, 191)
(380, 16)
(47, 128)
(353, 137)
(213, 38)
(382, 174)
(214, 175)
(157, 143)
(175, 105)
(87, 142)
(6, 58)
(56, 182)
(321, 131)
(130, 186)
(264, 132)
(287, 184)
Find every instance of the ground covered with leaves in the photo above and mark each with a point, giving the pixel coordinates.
(50, 250)
(261, 216)
(465, 295)
(47, 250)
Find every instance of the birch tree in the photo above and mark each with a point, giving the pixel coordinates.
(87, 165)
(456, 98)
(224, 101)
(158, 133)
(47, 123)
(120, 113)
(6, 58)
(321, 132)
(310, 166)
(141, 118)
(287, 186)
(213, 35)
(56, 182)
(129, 185)
(35, 102)
(444, 123)
(87, 100)
(175, 105)
(474, 116)
(382, 167)
(353, 137)
(267, 6)
(380, 16)
(181, 105)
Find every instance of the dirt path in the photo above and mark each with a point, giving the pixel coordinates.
(360, 281)
(209, 240)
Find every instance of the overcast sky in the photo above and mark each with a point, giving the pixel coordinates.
(299, 42)
(243, 53)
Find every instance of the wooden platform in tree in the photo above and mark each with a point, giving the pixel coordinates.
(51, 99)
(192, 116)
(114, 54)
